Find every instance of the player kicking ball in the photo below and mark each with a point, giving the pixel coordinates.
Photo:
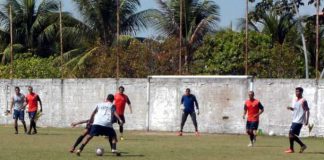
(84, 133)
(300, 114)
(253, 108)
(102, 124)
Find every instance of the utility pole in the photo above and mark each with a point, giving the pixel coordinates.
(246, 36)
(180, 37)
(61, 42)
(317, 38)
(117, 34)
(11, 42)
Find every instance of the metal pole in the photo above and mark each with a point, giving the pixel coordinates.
(246, 36)
(180, 38)
(61, 42)
(317, 38)
(11, 42)
(117, 54)
(300, 30)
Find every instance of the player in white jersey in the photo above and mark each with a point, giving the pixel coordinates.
(17, 103)
(300, 114)
(102, 123)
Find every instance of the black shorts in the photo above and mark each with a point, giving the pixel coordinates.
(97, 130)
(252, 125)
(32, 115)
(115, 119)
(295, 128)
(19, 114)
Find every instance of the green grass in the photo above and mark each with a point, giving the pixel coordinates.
(53, 144)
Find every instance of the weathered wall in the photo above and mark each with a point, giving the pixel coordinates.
(221, 102)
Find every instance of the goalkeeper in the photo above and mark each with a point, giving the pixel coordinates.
(188, 102)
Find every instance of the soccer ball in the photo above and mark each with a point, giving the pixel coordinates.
(99, 151)
(271, 133)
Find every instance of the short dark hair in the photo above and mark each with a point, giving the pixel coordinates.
(17, 88)
(110, 97)
(300, 89)
(121, 87)
(188, 89)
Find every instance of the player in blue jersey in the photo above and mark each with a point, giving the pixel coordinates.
(188, 102)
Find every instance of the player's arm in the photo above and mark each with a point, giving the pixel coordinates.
(261, 110)
(306, 109)
(245, 111)
(290, 108)
(196, 104)
(129, 105)
(73, 124)
(40, 103)
(11, 104)
(117, 116)
(93, 114)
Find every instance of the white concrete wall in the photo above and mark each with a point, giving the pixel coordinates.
(74, 99)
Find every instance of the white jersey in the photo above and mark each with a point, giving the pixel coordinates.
(18, 101)
(104, 114)
(300, 107)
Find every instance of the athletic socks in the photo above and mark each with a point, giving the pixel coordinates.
(81, 147)
(291, 141)
(78, 141)
(121, 129)
(113, 146)
(299, 141)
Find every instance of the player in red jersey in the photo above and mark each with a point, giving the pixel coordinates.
(32, 100)
(121, 100)
(253, 109)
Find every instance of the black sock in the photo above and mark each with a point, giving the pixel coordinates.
(78, 141)
(34, 126)
(121, 129)
(113, 146)
(110, 143)
(291, 141)
(299, 141)
(81, 147)
(251, 137)
(16, 128)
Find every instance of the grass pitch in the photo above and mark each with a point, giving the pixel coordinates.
(53, 144)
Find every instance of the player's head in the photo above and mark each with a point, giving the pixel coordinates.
(110, 98)
(299, 91)
(251, 94)
(30, 89)
(121, 89)
(17, 90)
(187, 91)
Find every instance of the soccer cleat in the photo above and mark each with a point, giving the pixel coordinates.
(180, 133)
(289, 151)
(78, 152)
(302, 148)
(71, 150)
(250, 144)
(197, 133)
(114, 151)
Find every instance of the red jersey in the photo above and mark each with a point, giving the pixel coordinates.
(252, 107)
(32, 101)
(120, 103)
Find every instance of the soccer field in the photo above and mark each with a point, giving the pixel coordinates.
(53, 144)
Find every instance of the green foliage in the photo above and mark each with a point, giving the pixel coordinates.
(27, 66)
(223, 53)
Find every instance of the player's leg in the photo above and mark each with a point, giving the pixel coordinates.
(22, 119)
(194, 121)
(34, 125)
(255, 127)
(249, 131)
(121, 127)
(85, 142)
(291, 138)
(79, 139)
(183, 121)
(15, 117)
(112, 140)
(296, 138)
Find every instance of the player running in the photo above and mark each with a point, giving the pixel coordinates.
(32, 100)
(253, 108)
(300, 112)
(120, 102)
(189, 101)
(17, 103)
(102, 124)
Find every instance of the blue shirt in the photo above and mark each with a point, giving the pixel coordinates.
(189, 102)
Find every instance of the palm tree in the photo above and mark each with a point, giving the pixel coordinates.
(36, 26)
(200, 18)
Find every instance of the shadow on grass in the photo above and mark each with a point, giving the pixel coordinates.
(313, 153)
(267, 146)
(124, 154)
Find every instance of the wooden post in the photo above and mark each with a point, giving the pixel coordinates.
(61, 42)
(117, 34)
(180, 37)
(317, 38)
(11, 42)
(246, 36)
